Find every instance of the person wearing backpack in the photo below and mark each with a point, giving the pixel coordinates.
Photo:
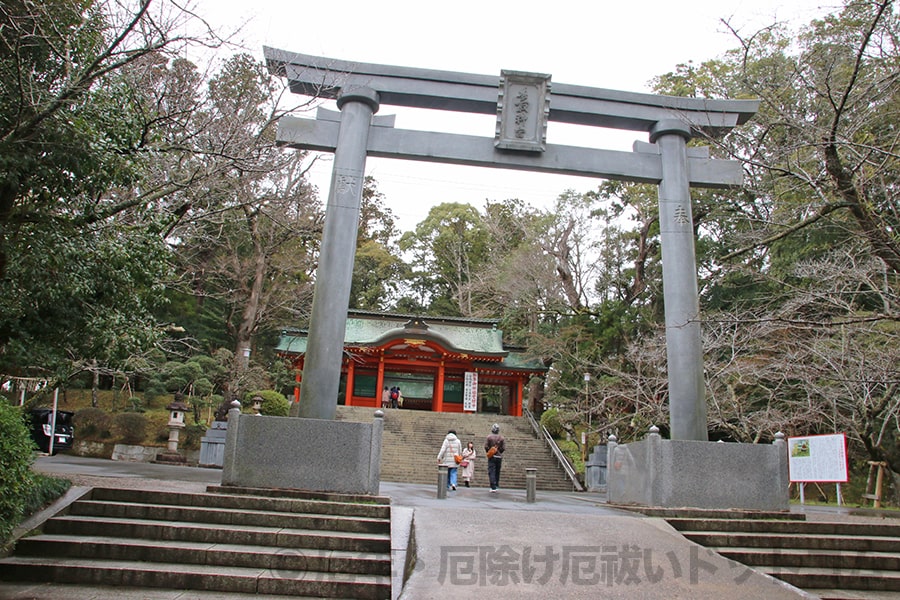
(494, 446)
(395, 396)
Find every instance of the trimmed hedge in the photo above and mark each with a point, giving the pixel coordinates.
(16, 478)
(131, 427)
(274, 404)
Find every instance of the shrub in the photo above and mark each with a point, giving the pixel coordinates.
(550, 419)
(157, 426)
(274, 404)
(573, 453)
(46, 490)
(130, 427)
(92, 424)
(191, 436)
(16, 477)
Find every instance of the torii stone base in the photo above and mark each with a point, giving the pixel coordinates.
(712, 475)
(304, 454)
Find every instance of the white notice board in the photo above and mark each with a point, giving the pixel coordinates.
(821, 458)
(470, 392)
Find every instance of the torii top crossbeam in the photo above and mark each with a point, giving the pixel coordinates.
(464, 92)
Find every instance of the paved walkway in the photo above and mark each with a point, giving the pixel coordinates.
(477, 544)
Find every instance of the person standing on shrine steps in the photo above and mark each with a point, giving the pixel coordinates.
(450, 449)
(494, 446)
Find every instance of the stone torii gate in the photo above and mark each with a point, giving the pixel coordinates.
(524, 105)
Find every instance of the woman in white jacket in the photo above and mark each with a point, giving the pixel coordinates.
(451, 448)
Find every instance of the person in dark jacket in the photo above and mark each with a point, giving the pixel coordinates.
(494, 446)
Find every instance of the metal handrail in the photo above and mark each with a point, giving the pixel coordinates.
(541, 432)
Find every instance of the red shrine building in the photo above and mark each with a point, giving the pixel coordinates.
(441, 364)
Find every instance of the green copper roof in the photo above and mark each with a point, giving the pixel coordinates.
(475, 338)
(468, 336)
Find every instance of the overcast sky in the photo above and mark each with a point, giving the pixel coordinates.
(618, 45)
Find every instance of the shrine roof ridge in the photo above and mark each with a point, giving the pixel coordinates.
(428, 318)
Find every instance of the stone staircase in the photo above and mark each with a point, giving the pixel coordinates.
(412, 440)
(277, 542)
(832, 560)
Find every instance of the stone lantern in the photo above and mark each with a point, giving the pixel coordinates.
(257, 405)
(176, 423)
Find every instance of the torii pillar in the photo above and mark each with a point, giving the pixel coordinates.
(328, 320)
(684, 347)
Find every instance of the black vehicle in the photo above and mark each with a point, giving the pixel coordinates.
(41, 423)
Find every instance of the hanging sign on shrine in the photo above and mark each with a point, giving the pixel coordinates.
(470, 392)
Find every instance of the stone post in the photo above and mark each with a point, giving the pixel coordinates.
(443, 474)
(375, 453)
(684, 350)
(784, 481)
(325, 347)
(530, 484)
(611, 442)
(653, 465)
(229, 461)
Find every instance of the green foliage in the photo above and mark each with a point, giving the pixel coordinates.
(130, 427)
(191, 436)
(158, 427)
(571, 450)
(92, 424)
(95, 285)
(550, 420)
(447, 249)
(46, 490)
(274, 403)
(378, 269)
(16, 478)
(75, 286)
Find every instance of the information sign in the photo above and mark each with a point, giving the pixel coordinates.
(819, 458)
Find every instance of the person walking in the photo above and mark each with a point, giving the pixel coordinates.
(450, 449)
(494, 446)
(386, 398)
(468, 464)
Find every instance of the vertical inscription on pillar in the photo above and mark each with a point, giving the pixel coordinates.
(347, 186)
(681, 215)
(523, 108)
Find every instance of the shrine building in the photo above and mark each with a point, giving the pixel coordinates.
(440, 364)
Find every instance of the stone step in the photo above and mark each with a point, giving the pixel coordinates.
(413, 438)
(227, 516)
(333, 498)
(691, 515)
(240, 542)
(230, 555)
(804, 557)
(761, 539)
(191, 576)
(845, 559)
(823, 578)
(788, 526)
(837, 594)
(215, 533)
(229, 497)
